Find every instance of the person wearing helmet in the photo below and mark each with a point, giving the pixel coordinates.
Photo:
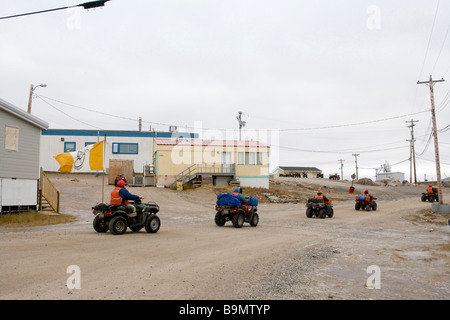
(367, 195)
(120, 197)
(238, 191)
(320, 195)
(326, 201)
(430, 189)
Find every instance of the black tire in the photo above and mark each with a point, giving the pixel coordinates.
(152, 224)
(255, 220)
(423, 198)
(309, 212)
(330, 213)
(118, 225)
(238, 220)
(322, 213)
(374, 206)
(219, 219)
(357, 206)
(100, 225)
(368, 207)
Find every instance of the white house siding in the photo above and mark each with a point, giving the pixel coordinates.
(19, 157)
(254, 182)
(52, 144)
(18, 192)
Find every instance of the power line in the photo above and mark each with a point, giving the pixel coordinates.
(333, 151)
(219, 129)
(429, 38)
(442, 47)
(355, 124)
(86, 5)
(68, 114)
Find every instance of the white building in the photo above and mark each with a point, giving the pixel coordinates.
(119, 145)
(400, 176)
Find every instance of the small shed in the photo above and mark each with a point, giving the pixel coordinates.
(20, 134)
(400, 176)
(300, 172)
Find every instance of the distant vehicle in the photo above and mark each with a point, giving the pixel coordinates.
(367, 203)
(430, 196)
(228, 208)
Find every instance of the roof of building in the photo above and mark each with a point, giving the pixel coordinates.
(115, 133)
(4, 105)
(300, 169)
(214, 143)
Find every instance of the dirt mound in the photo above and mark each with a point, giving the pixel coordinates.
(366, 182)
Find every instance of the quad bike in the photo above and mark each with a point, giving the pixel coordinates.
(430, 196)
(237, 215)
(316, 207)
(229, 208)
(363, 203)
(116, 219)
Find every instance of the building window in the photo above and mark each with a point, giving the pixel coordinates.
(125, 148)
(249, 158)
(241, 158)
(70, 146)
(259, 158)
(11, 138)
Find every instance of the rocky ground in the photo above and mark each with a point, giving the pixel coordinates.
(287, 256)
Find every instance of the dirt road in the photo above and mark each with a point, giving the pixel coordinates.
(287, 256)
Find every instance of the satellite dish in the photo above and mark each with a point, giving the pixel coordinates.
(386, 166)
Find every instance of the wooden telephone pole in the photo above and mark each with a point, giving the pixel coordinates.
(436, 145)
(412, 153)
(356, 163)
(342, 172)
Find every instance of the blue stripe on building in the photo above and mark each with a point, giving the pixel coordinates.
(112, 133)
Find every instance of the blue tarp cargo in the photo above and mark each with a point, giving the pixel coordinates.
(361, 197)
(228, 199)
(252, 201)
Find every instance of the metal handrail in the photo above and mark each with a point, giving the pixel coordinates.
(201, 168)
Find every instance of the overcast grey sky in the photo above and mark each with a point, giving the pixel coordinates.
(322, 79)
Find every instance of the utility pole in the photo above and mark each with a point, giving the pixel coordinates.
(356, 163)
(436, 145)
(32, 88)
(241, 124)
(342, 165)
(412, 153)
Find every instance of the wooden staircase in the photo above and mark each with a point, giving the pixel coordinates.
(48, 194)
(197, 174)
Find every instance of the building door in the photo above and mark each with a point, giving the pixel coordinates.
(226, 162)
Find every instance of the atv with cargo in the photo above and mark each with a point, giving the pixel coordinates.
(364, 202)
(229, 208)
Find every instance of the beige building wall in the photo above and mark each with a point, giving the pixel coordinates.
(250, 162)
